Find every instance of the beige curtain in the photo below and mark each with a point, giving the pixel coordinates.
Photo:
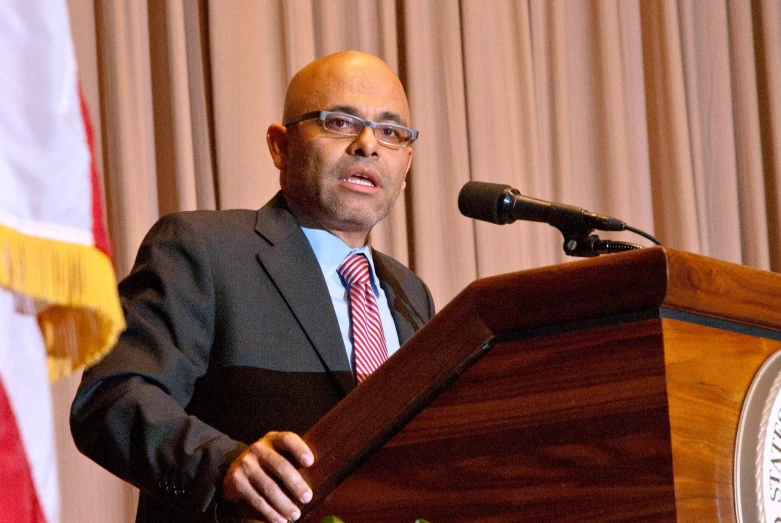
(665, 114)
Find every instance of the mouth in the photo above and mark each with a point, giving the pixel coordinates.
(361, 178)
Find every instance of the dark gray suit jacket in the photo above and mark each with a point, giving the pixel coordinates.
(231, 333)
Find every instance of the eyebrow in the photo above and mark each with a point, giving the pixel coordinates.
(387, 116)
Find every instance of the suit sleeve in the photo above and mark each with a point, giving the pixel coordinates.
(429, 301)
(129, 412)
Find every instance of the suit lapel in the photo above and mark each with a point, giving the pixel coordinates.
(289, 261)
(405, 316)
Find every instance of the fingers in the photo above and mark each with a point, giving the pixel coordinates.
(291, 443)
(250, 496)
(255, 477)
(274, 468)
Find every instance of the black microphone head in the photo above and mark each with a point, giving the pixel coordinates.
(490, 202)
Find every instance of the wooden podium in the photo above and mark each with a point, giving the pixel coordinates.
(600, 390)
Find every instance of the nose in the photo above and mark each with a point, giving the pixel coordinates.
(365, 144)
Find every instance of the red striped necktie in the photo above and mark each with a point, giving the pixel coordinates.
(369, 350)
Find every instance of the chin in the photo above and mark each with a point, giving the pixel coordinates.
(355, 221)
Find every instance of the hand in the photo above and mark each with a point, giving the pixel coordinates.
(254, 478)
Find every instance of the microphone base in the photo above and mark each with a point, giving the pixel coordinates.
(591, 246)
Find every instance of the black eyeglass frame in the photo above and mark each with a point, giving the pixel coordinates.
(322, 115)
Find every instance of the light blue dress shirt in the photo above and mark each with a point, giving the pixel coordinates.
(330, 252)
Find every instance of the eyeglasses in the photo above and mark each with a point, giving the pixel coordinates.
(388, 134)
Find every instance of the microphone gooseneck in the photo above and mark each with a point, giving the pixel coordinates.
(501, 204)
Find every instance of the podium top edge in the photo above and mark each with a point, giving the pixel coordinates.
(619, 283)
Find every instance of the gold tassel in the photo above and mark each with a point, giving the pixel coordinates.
(81, 317)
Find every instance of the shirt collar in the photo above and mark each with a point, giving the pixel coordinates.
(331, 251)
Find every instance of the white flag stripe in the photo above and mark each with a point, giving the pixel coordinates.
(47, 231)
(42, 137)
(25, 378)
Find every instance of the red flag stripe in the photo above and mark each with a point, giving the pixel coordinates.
(99, 232)
(19, 499)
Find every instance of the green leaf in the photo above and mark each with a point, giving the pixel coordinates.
(421, 521)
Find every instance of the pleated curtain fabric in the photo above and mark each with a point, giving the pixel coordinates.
(369, 350)
(665, 114)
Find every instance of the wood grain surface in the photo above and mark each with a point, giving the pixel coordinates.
(558, 394)
(392, 395)
(629, 281)
(564, 428)
(708, 372)
(723, 290)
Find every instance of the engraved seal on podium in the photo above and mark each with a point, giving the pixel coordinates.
(757, 479)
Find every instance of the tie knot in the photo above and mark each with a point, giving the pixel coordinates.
(354, 269)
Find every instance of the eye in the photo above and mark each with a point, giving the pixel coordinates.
(391, 133)
(343, 124)
(338, 121)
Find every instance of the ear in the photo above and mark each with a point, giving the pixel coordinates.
(276, 137)
(409, 164)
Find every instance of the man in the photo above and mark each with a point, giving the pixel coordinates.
(241, 330)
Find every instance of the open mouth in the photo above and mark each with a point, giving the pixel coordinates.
(360, 180)
(363, 178)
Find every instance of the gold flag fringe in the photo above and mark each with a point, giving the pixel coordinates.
(75, 289)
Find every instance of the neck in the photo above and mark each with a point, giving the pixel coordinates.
(354, 239)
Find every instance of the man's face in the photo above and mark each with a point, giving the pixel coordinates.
(346, 183)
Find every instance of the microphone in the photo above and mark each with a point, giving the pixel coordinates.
(500, 204)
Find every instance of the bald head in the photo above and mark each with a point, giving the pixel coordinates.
(341, 182)
(315, 86)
